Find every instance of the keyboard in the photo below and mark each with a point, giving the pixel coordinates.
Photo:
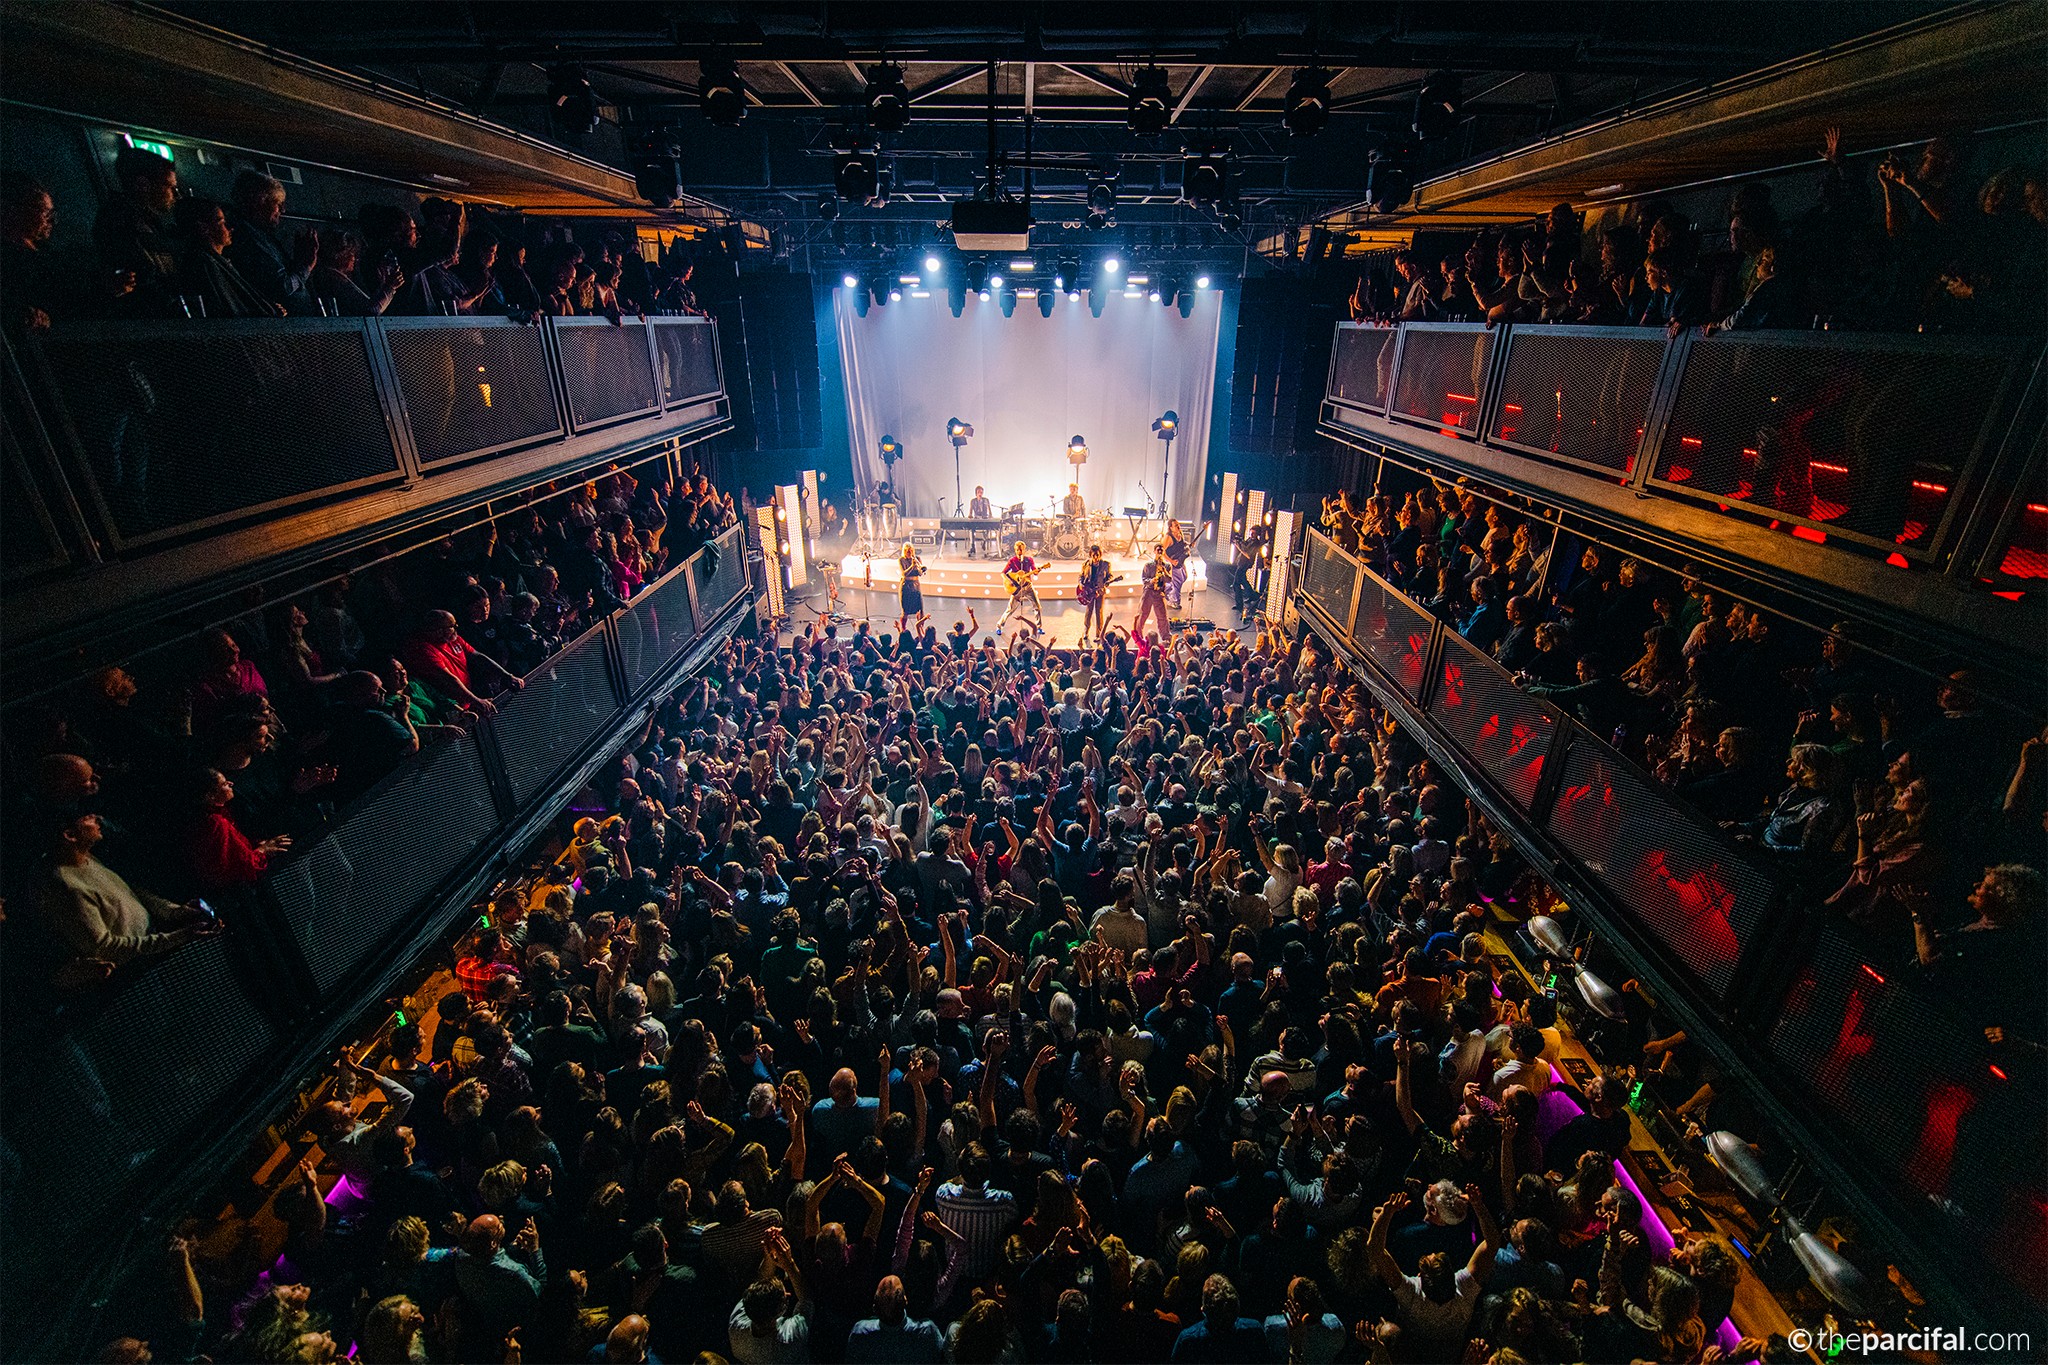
(947, 524)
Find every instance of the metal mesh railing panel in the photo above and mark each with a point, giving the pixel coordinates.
(26, 541)
(565, 702)
(1583, 397)
(1443, 377)
(1361, 366)
(184, 423)
(1689, 890)
(1393, 632)
(1328, 575)
(1853, 437)
(117, 1085)
(472, 388)
(728, 578)
(655, 628)
(686, 356)
(346, 895)
(606, 371)
(1503, 728)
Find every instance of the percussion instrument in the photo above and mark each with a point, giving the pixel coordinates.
(1068, 542)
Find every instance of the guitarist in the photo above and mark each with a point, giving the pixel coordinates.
(1021, 569)
(1158, 578)
(1094, 593)
(1176, 547)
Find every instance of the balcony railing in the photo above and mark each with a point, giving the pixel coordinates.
(163, 431)
(125, 1081)
(1892, 1071)
(1906, 447)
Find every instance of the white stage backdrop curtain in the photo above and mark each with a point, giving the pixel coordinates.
(1027, 384)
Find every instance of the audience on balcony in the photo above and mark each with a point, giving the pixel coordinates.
(1922, 251)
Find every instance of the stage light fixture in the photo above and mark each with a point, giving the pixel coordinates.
(977, 277)
(895, 295)
(1073, 296)
(1022, 267)
(995, 281)
(1307, 110)
(1137, 277)
(1151, 103)
(1387, 183)
(721, 94)
(1154, 296)
(571, 101)
(1205, 178)
(1009, 302)
(850, 281)
(888, 98)
(908, 278)
(1187, 303)
(1437, 105)
(828, 207)
(1110, 265)
(933, 265)
(1096, 297)
(1045, 301)
(1229, 216)
(657, 166)
(854, 175)
(982, 295)
(1096, 220)
(879, 286)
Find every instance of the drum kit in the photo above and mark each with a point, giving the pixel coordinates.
(1060, 535)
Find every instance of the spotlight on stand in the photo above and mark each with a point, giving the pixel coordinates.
(888, 98)
(1077, 451)
(1307, 111)
(1151, 103)
(721, 94)
(854, 175)
(1166, 426)
(1436, 106)
(1600, 997)
(957, 432)
(657, 166)
(571, 102)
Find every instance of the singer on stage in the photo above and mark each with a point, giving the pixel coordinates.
(1021, 569)
(913, 594)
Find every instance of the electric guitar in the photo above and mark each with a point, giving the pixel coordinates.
(1090, 595)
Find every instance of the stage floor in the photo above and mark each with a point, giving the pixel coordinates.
(956, 576)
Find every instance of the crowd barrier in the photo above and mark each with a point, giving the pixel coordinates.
(123, 1083)
(1893, 1072)
(1914, 448)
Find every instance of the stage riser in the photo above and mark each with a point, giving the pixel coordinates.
(982, 580)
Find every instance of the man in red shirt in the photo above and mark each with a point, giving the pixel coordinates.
(442, 659)
(490, 959)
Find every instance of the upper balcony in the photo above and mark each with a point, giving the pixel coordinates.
(1899, 477)
(146, 460)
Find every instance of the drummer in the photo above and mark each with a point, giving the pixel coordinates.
(1074, 505)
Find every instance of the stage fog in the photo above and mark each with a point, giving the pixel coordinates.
(1027, 384)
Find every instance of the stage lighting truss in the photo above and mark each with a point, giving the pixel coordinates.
(789, 522)
(888, 98)
(1151, 106)
(1280, 554)
(1307, 110)
(765, 531)
(721, 94)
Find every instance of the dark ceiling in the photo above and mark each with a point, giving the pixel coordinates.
(1526, 71)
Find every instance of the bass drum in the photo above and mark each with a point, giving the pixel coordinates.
(1067, 544)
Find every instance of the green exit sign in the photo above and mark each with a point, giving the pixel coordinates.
(141, 144)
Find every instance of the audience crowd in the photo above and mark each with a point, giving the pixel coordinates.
(160, 253)
(1916, 243)
(917, 999)
(198, 766)
(1899, 800)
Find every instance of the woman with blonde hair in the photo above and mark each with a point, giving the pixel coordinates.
(393, 1333)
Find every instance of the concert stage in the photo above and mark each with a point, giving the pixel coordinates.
(956, 576)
